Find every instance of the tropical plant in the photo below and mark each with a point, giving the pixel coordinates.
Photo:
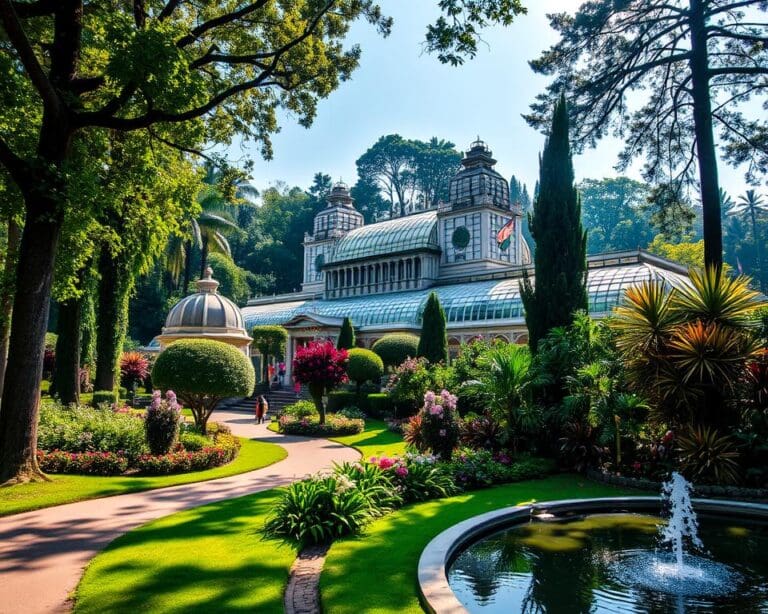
(752, 204)
(321, 367)
(482, 433)
(134, 368)
(707, 456)
(203, 372)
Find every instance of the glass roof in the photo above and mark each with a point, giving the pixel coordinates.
(402, 234)
(463, 303)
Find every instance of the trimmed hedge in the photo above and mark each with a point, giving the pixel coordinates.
(364, 366)
(379, 405)
(335, 426)
(339, 399)
(224, 450)
(393, 349)
(88, 463)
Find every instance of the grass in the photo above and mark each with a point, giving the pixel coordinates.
(69, 488)
(208, 559)
(375, 440)
(384, 560)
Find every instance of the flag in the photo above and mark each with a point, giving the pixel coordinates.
(504, 236)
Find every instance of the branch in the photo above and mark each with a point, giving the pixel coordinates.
(27, 55)
(221, 20)
(739, 70)
(16, 166)
(168, 9)
(189, 150)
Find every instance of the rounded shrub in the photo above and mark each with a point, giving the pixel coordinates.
(364, 366)
(161, 423)
(395, 348)
(203, 372)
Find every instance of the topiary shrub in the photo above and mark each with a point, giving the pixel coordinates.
(202, 373)
(161, 424)
(379, 405)
(339, 399)
(364, 366)
(101, 397)
(433, 343)
(396, 348)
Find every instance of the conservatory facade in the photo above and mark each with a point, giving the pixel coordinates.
(470, 251)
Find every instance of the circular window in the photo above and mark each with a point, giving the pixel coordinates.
(461, 237)
(319, 262)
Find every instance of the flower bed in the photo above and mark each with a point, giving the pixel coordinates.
(180, 460)
(90, 463)
(309, 426)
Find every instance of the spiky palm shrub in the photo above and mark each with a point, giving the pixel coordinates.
(686, 348)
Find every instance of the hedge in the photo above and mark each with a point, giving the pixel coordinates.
(395, 348)
(364, 366)
(339, 399)
(379, 405)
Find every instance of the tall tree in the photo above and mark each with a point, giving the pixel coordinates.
(388, 163)
(695, 62)
(433, 342)
(435, 162)
(368, 200)
(161, 67)
(346, 340)
(561, 242)
(752, 204)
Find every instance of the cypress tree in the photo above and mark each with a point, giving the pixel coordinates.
(346, 336)
(433, 343)
(560, 259)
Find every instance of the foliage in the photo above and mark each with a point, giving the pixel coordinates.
(708, 456)
(104, 397)
(481, 468)
(161, 422)
(433, 341)
(339, 399)
(413, 432)
(346, 339)
(364, 366)
(192, 441)
(233, 281)
(201, 373)
(379, 404)
(687, 253)
(134, 369)
(300, 409)
(352, 412)
(310, 426)
(270, 342)
(396, 348)
(561, 242)
(438, 426)
(89, 463)
(321, 367)
(753, 205)
(608, 51)
(417, 477)
(410, 382)
(85, 429)
(183, 460)
(482, 433)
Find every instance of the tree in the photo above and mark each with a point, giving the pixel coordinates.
(561, 243)
(752, 203)
(364, 366)
(203, 372)
(435, 162)
(233, 282)
(368, 200)
(321, 367)
(81, 68)
(387, 164)
(695, 61)
(433, 341)
(688, 253)
(346, 339)
(612, 213)
(270, 342)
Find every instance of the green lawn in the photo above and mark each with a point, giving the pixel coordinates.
(385, 559)
(69, 488)
(208, 559)
(375, 440)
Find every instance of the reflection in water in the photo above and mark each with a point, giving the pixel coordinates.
(574, 567)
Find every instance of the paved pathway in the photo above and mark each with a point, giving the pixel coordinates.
(42, 553)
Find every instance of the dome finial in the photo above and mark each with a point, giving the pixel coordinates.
(207, 283)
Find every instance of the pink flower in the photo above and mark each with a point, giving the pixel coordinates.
(401, 471)
(386, 463)
(429, 397)
(436, 410)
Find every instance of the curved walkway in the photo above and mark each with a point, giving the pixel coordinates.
(42, 553)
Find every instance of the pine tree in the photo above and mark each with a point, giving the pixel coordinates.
(346, 336)
(433, 343)
(561, 242)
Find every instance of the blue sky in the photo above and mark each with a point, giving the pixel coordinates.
(397, 88)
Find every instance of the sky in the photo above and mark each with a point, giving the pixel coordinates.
(400, 89)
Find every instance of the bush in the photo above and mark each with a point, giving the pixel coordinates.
(194, 442)
(439, 428)
(364, 366)
(161, 423)
(417, 477)
(335, 425)
(223, 451)
(379, 405)
(353, 413)
(395, 348)
(88, 463)
(481, 468)
(202, 372)
(482, 432)
(300, 409)
(102, 397)
(85, 429)
(134, 369)
(410, 382)
(339, 399)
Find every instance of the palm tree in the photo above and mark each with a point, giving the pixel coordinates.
(752, 203)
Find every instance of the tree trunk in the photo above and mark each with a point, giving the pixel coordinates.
(187, 268)
(114, 288)
(705, 140)
(6, 303)
(66, 379)
(204, 257)
(21, 394)
(316, 392)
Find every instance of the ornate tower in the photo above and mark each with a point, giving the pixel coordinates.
(332, 223)
(479, 229)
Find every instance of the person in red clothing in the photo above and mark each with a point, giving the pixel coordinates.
(261, 409)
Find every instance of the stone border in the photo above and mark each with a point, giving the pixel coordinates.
(302, 593)
(435, 592)
(703, 490)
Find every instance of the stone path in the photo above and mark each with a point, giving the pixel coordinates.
(302, 594)
(42, 553)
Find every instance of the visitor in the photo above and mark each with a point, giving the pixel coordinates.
(297, 388)
(261, 409)
(281, 373)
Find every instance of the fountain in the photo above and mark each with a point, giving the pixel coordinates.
(604, 555)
